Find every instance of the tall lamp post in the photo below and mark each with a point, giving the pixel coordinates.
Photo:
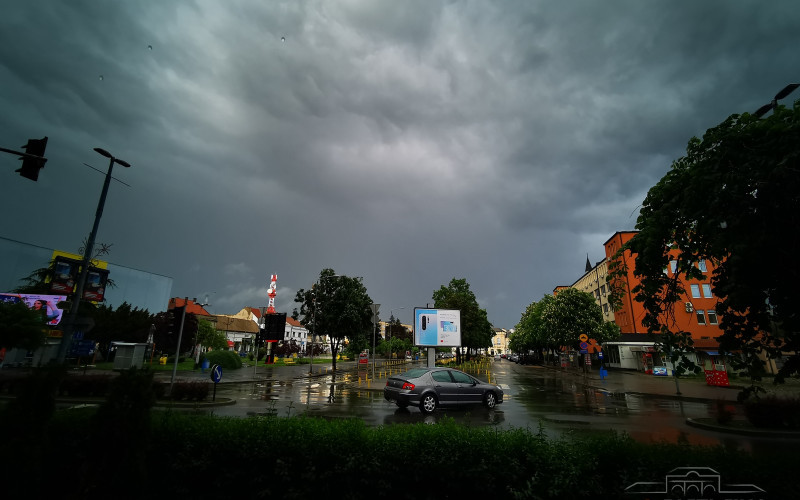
(66, 339)
(785, 91)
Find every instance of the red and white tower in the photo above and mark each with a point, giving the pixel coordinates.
(271, 294)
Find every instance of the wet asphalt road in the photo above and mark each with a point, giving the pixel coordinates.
(560, 403)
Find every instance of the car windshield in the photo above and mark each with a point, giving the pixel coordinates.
(414, 373)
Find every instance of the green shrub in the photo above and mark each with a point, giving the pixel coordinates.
(95, 384)
(228, 360)
(190, 391)
(304, 457)
(773, 412)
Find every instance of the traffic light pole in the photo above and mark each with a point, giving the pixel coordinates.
(33, 160)
(178, 349)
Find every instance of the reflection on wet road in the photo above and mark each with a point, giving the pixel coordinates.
(534, 396)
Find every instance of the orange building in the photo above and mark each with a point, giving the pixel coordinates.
(696, 314)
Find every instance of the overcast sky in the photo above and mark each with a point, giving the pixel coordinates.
(406, 142)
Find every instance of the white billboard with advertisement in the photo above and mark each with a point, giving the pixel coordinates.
(437, 327)
(47, 304)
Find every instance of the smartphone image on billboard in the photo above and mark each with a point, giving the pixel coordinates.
(426, 326)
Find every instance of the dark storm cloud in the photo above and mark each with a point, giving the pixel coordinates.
(405, 142)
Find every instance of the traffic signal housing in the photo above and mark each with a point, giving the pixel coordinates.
(31, 166)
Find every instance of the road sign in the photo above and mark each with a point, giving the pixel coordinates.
(584, 337)
(593, 346)
(584, 346)
(600, 354)
(216, 373)
(82, 347)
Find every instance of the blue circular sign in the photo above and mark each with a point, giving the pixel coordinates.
(216, 373)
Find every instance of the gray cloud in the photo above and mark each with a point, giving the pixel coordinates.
(405, 142)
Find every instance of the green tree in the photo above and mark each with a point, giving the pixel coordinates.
(125, 324)
(208, 336)
(167, 330)
(397, 336)
(21, 327)
(476, 331)
(733, 201)
(337, 306)
(570, 314)
(530, 333)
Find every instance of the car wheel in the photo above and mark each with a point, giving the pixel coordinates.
(490, 400)
(428, 404)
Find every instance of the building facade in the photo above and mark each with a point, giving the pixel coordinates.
(696, 314)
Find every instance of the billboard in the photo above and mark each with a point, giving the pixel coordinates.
(274, 327)
(66, 270)
(48, 304)
(437, 327)
(65, 274)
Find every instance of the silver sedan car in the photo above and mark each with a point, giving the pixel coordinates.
(429, 388)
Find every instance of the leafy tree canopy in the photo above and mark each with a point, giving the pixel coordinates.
(337, 306)
(125, 324)
(571, 313)
(733, 200)
(530, 333)
(21, 327)
(208, 336)
(476, 331)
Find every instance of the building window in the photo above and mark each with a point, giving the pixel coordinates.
(701, 317)
(707, 291)
(603, 289)
(695, 291)
(605, 308)
(701, 265)
(712, 317)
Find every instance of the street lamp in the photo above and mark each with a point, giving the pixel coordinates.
(66, 338)
(774, 103)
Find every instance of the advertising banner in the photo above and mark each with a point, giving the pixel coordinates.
(437, 327)
(95, 286)
(48, 304)
(65, 275)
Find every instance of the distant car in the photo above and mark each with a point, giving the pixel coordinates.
(513, 358)
(430, 388)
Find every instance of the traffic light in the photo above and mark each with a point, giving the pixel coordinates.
(31, 166)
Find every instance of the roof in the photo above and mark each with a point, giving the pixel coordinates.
(293, 322)
(232, 324)
(192, 307)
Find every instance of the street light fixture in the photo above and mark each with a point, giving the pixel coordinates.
(66, 338)
(774, 103)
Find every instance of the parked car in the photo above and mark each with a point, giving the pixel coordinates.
(513, 358)
(430, 388)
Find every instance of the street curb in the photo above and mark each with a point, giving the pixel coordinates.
(711, 425)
